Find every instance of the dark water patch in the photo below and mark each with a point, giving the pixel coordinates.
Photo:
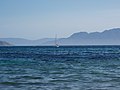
(9, 83)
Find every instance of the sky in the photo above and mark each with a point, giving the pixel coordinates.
(35, 19)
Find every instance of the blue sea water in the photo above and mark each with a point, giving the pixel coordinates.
(63, 68)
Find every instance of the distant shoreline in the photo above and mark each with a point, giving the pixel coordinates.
(63, 46)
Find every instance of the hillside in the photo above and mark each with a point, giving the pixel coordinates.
(3, 43)
(107, 37)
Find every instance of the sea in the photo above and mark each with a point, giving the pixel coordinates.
(62, 68)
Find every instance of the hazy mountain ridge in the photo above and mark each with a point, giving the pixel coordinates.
(107, 37)
(3, 43)
(107, 34)
(25, 42)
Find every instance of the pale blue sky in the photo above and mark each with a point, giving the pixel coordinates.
(34, 19)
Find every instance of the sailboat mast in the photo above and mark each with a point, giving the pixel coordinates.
(55, 39)
(56, 44)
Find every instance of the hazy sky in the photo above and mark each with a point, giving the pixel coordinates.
(34, 19)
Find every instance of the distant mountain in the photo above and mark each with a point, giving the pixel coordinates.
(26, 42)
(107, 37)
(3, 43)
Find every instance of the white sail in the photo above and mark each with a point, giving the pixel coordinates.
(56, 43)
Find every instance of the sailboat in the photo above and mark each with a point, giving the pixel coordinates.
(56, 44)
